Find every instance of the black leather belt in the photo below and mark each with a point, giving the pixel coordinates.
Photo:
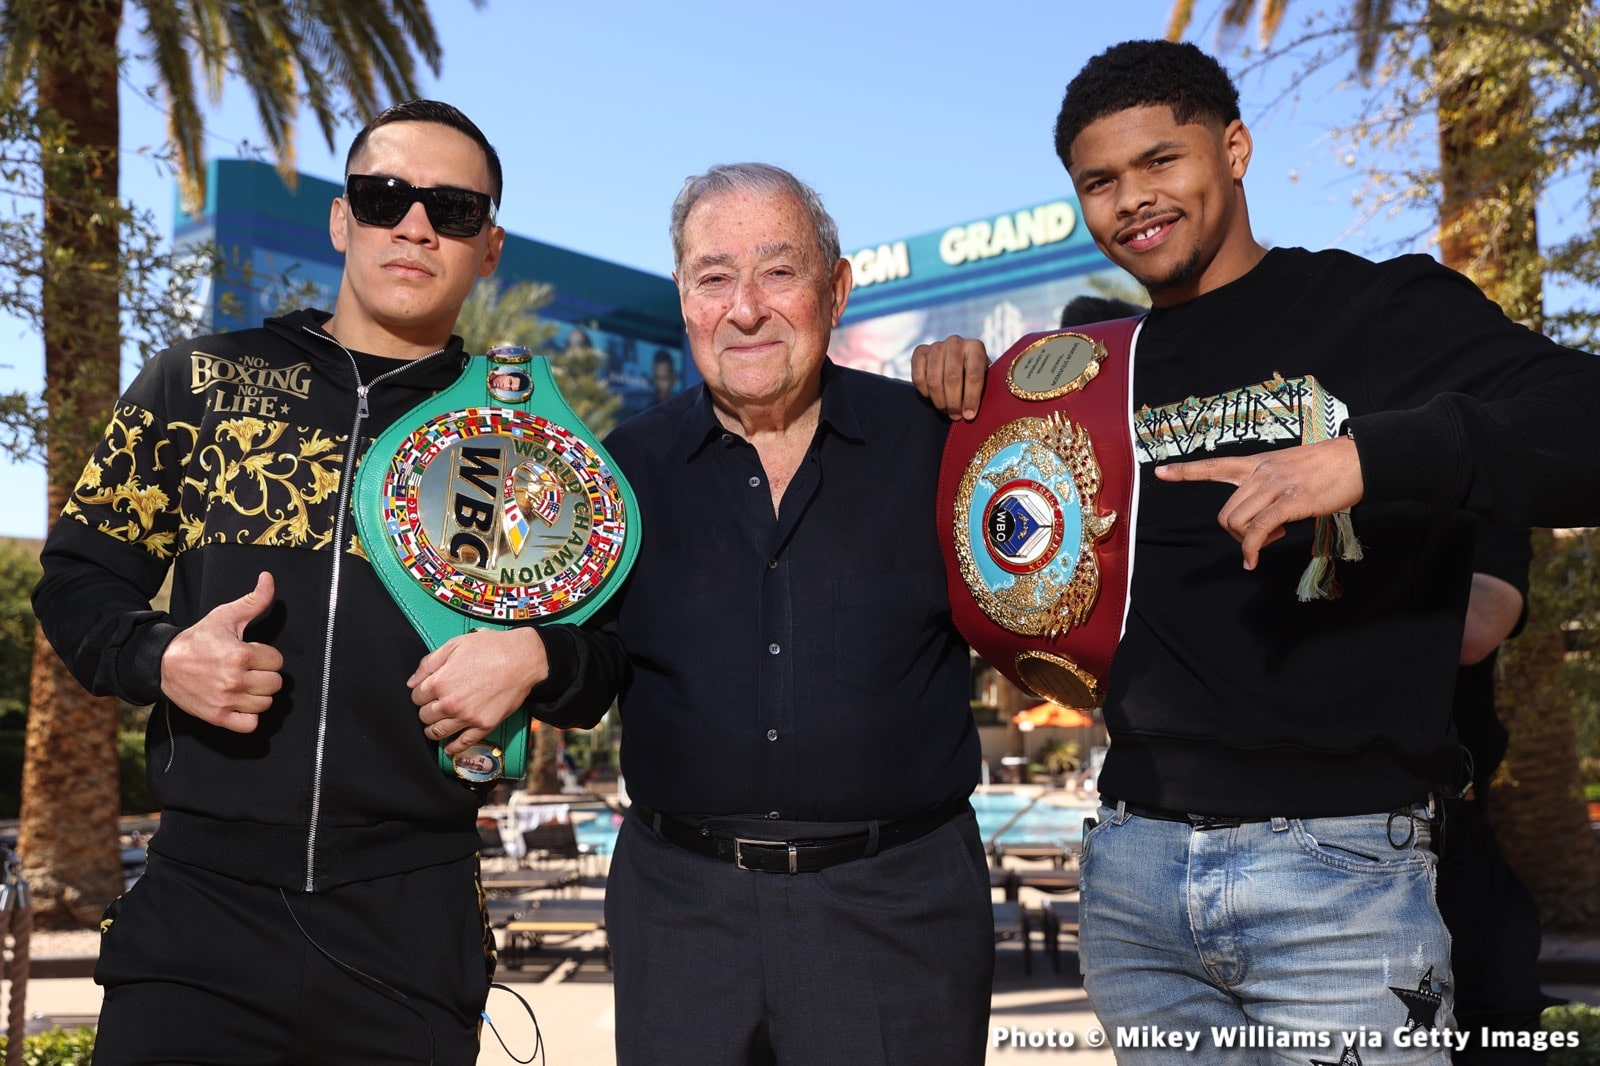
(1199, 821)
(795, 856)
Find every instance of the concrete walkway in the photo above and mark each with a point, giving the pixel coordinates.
(568, 987)
(572, 1001)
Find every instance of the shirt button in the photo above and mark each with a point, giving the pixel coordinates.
(772, 564)
(772, 734)
(773, 815)
(773, 649)
(755, 482)
(727, 438)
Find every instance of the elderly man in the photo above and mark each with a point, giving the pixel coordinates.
(801, 878)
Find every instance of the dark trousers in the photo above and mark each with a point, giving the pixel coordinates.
(200, 968)
(1494, 928)
(884, 960)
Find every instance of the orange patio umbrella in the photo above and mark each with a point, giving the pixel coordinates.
(1044, 715)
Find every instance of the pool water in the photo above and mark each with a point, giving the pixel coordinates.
(1018, 819)
(1045, 822)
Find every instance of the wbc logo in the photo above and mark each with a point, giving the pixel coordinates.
(501, 514)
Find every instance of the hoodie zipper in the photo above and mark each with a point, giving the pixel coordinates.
(346, 484)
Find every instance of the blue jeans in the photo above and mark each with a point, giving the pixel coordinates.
(1276, 942)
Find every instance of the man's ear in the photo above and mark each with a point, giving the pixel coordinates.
(338, 224)
(1239, 146)
(491, 254)
(843, 280)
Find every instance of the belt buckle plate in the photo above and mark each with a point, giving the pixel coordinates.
(738, 853)
(1202, 822)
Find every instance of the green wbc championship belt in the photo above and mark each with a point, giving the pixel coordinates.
(492, 505)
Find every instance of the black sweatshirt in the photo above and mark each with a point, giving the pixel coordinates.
(1231, 696)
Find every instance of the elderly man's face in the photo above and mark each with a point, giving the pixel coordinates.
(759, 298)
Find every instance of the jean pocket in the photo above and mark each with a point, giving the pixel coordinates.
(1092, 825)
(1368, 843)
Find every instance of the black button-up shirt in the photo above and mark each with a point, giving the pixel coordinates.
(803, 665)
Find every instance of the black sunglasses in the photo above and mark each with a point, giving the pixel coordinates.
(380, 201)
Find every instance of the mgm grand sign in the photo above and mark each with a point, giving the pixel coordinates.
(492, 505)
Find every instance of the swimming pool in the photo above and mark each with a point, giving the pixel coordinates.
(1032, 818)
(1056, 818)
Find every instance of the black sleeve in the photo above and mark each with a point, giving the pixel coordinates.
(1478, 413)
(93, 603)
(588, 670)
(109, 551)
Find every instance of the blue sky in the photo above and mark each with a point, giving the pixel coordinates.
(906, 116)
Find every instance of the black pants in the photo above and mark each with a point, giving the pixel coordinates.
(1494, 929)
(200, 968)
(885, 960)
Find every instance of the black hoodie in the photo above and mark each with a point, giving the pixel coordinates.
(230, 455)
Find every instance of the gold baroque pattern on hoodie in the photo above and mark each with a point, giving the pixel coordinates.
(239, 480)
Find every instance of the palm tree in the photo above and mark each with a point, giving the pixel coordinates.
(1492, 166)
(338, 58)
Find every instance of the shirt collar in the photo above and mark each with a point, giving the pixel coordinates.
(699, 424)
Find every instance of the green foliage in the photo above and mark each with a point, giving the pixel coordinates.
(57, 1047)
(578, 372)
(1431, 64)
(494, 316)
(1565, 583)
(984, 713)
(135, 794)
(1579, 1018)
(11, 748)
(19, 572)
(1060, 757)
(491, 317)
(343, 60)
(152, 282)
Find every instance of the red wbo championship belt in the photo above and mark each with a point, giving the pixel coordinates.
(1035, 511)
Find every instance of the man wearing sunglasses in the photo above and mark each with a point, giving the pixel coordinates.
(311, 895)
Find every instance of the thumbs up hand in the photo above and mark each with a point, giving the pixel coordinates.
(210, 671)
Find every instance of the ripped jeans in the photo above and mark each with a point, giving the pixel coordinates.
(1276, 942)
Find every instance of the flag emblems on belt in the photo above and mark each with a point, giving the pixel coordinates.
(501, 514)
(491, 505)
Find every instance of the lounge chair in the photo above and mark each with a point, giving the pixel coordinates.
(554, 842)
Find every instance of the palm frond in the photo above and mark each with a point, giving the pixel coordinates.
(1182, 15)
(19, 38)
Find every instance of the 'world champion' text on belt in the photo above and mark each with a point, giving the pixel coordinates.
(501, 514)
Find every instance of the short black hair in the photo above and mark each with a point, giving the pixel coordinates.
(1146, 74)
(439, 113)
(1081, 310)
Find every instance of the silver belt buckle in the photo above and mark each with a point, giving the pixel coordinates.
(738, 854)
